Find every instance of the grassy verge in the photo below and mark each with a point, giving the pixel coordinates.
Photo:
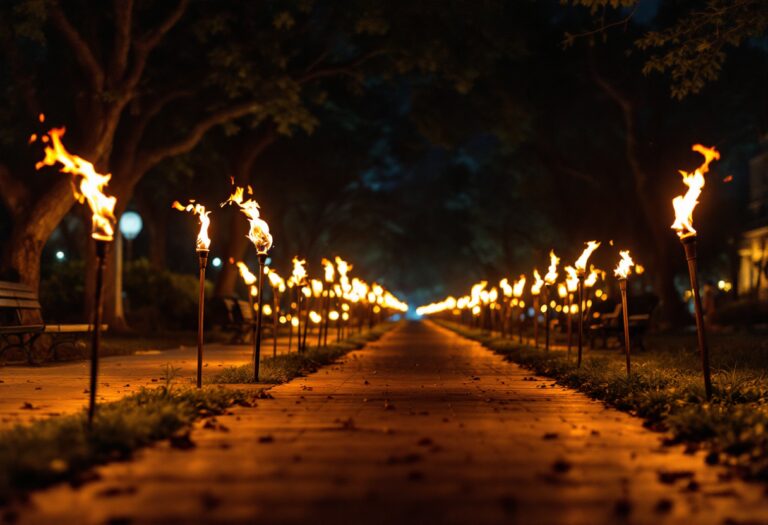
(61, 448)
(666, 390)
(283, 368)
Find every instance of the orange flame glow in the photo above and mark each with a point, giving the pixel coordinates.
(572, 281)
(626, 263)
(259, 232)
(91, 184)
(203, 241)
(299, 273)
(684, 204)
(538, 282)
(519, 287)
(581, 262)
(330, 271)
(551, 275)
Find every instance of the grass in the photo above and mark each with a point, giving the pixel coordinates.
(283, 368)
(666, 389)
(62, 448)
(45, 452)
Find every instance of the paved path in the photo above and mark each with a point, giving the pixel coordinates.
(38, 392)
(420, 427)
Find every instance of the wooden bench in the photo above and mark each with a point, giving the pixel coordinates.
(237, 316)
(609, 323)
(22, 326)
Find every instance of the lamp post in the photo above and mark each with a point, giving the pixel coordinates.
(130, 228)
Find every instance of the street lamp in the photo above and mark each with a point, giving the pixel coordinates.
(130, 227)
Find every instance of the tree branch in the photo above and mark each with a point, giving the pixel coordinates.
(154, 156)
(346, 68)
(122, 41)
(145, 45)
(83, 52)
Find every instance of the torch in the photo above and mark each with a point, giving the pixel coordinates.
(253, 291)
(278, 287)
(90, 187)
(581, 269)
(259, 235)
(572, 286)
(683, 225)
(622, 272)
(202, 246)
(299, 277)
(538, 282)
(517, 290)
(330, 275)
(549, 279)
(344, 287)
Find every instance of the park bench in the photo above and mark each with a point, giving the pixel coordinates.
(237, 316)
(22, 326)
(607, 322)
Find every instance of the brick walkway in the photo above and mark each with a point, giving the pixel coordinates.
(420, 427)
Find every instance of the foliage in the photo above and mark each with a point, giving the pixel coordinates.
(160, 299)
(693, 48)
(59, 448)
(284, 367)
(62, 291)
(666, 390)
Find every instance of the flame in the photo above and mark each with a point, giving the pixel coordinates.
(572, 281)
(315, 317)
(505, 287)
(625, 265)
(245, 273)
(259, 233)
(562, 290)
(91, 185)
(519, 287)
(317, 287)
(203, 241)
(299, 273)
(538, 282)
(551, 275)
(330, 271)
(684, 204)
(275, 280)
(591, 279)
(581, 262)
(343, 266)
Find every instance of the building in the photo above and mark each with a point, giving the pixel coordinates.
(753, 249)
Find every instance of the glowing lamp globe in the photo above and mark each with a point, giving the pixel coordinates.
(131, 225)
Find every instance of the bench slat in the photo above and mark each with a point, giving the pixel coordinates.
(71, 328)
(7, 285)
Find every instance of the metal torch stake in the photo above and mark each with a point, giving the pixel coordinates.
(546, 319)
(623, 288)
(689, 244)
(570, 324)
(536, 321)
(202, 256)
(259, 315)
(101, 262)
(581, 319)
(275, 313)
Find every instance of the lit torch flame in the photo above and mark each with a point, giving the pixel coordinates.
(551, 275)
(203, 241)
(626, 263)
(299, 273)
(519, 287)
(581, 262)
(259, 232)
(684, 204)
(572, 281)
(538, 282)
(591, 279)
(91, 185)
(330, 271)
